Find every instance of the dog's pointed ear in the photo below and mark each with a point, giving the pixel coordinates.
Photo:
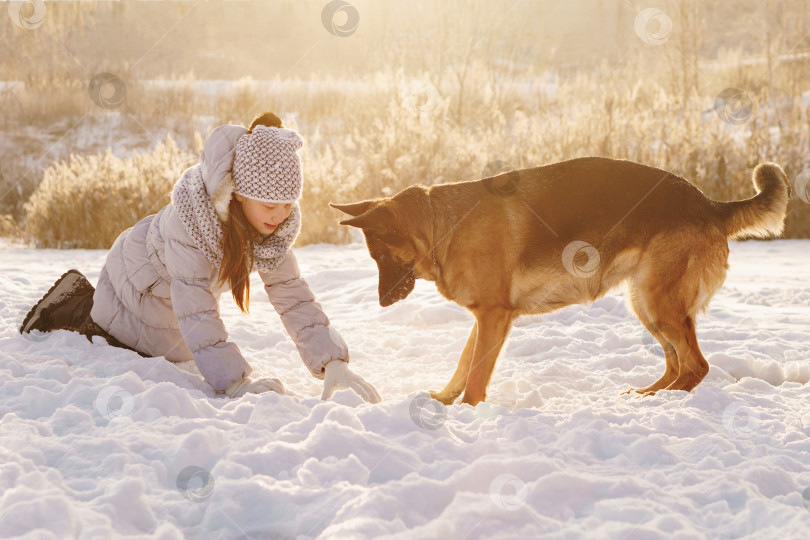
(353, 209)
(378, 218)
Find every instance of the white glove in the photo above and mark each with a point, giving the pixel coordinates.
(337, 376)
(246, 386)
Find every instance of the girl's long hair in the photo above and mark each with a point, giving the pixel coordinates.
(238, 237)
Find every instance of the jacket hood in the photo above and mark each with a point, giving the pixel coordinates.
(216, 163)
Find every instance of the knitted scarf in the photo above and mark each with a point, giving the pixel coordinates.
(196, 211)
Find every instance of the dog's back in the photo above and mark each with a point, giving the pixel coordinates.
(607, 201)
(612, 205)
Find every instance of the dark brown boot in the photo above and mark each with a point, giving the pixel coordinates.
(66, 305)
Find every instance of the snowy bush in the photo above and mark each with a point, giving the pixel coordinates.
(8, 228)
(86, 201)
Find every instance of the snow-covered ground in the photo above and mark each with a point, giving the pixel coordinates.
(97, 442)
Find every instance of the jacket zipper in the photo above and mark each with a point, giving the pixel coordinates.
(148, 291)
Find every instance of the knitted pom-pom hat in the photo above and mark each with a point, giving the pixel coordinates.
(266, 166)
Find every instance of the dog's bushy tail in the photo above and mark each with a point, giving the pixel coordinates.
(763, 214)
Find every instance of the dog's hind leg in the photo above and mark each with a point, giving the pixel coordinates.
(492, 328)
(456, 385)
(701, 278)
(674, 288)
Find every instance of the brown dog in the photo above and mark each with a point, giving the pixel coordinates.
(535, 240)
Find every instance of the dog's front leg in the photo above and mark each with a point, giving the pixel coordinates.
(456, 385)
(493, 326)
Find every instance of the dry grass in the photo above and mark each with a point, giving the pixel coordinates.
(389, 131)
(85, 202)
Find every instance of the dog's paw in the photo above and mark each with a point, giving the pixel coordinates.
(642, 392)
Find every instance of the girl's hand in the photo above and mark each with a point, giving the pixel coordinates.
(337, 376)
(259, 386)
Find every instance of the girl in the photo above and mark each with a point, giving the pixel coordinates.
(158, 292)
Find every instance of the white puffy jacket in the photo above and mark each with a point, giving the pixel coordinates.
(158, 294)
